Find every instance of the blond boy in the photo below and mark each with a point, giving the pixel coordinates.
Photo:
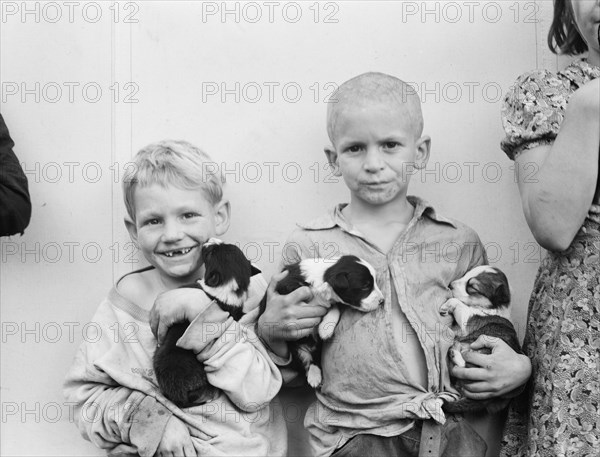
(173, 207)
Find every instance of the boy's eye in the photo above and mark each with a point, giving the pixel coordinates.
(391, 145)
(189, 215)
(151, 222)
(353, 148)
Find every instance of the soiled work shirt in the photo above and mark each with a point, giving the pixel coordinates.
(367, 387)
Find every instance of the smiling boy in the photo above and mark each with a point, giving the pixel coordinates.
(173, 207)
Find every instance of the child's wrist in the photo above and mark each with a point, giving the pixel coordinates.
(277, 346)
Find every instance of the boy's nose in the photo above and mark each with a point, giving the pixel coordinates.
(373, 159)
(172, 232)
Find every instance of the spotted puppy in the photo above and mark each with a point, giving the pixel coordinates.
(180, 376)
(335, 283)
(480, 306)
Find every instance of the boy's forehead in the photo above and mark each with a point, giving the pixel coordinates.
(371, 90)
(371, 105)
(403, 115)
(156, 193)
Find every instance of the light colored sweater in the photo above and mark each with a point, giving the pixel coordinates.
(120, 408)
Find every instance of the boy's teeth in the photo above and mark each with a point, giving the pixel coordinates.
(178, 252)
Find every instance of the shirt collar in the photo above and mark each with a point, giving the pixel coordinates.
(335, 218)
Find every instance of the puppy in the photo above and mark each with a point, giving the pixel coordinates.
(480, 306)
(180, 376)
(345, 280)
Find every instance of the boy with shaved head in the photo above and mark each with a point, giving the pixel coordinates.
(385, 377)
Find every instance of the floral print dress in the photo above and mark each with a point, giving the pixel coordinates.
(562, 416)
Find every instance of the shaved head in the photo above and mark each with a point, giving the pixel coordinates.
(375, 88)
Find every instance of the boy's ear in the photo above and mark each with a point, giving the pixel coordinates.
(423, 147)
(132, 229)
(332, 158)
(222, 216)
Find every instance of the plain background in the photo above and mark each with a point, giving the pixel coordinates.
(87, 84)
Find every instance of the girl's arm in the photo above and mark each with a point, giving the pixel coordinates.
(556, 199)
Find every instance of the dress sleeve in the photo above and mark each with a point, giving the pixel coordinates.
(533, 111)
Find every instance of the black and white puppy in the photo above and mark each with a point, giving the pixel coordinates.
(180, 376)
(346, 281)
(480, 306)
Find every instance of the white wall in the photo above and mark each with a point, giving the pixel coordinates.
(156, 75)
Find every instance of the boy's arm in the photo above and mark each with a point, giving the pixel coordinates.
(288, 317)
(234, 358)
(110, 416)
(492, 375)
(107, 413)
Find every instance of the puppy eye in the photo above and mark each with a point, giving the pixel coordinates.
(472, 289)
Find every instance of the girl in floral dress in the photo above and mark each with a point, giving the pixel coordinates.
(552, 124)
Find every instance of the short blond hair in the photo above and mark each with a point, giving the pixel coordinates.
(176, 163)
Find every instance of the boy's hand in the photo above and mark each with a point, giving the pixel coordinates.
(176, 440)
(176, 305)
(497, 373)
(287, 317)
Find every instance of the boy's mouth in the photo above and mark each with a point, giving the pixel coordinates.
(375, 183)
(177, 252)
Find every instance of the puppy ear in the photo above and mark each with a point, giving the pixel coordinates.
(206, 252)
(501, 295)
(340, 281)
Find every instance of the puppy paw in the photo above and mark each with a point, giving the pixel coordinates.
(326, 329)
(457, 358)
(314, 377)
(448, 307)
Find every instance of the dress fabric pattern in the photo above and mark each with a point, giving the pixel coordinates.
(561, 416)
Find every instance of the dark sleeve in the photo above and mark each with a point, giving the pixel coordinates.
(15, 205)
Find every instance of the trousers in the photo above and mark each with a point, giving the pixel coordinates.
(455, 438)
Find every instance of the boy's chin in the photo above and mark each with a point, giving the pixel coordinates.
(183, 274)
(380, 198)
